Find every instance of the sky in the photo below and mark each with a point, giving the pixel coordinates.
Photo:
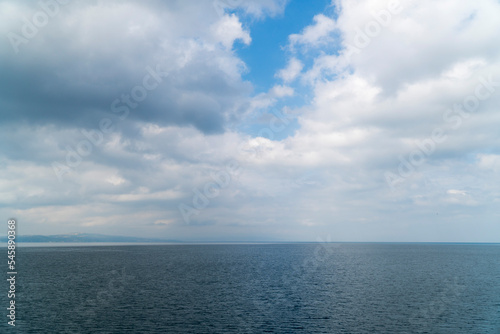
(258, 120)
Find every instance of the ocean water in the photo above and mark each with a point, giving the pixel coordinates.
(259, 288)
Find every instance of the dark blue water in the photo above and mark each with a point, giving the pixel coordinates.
(283, 288)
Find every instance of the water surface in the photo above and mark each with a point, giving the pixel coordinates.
(259, 288)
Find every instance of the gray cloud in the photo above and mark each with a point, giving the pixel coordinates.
(88, 56)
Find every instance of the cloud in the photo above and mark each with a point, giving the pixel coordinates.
(489, 162)
(229, 29)
(381, 103)
(316, 34)
(281, 91)
(112, 51)
(413, 44)
(456, 192)
(367, 111)
(292, 70)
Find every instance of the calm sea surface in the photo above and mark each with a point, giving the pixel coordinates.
(262, 288)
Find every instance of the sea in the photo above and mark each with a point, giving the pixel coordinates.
(257, 288)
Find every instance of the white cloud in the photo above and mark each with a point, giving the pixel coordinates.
(463, 70)
(292, 70)
(372, 108)
(316, 34)
(418, 42)
(489, 162)
(229, 29)
(367, 111)
(457, 192)
(281, 91)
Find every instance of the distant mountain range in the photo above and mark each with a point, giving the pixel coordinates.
(84, 237)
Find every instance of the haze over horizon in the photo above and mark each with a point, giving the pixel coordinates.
(229, 120)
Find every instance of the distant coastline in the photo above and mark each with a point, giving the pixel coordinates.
(85, 238)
